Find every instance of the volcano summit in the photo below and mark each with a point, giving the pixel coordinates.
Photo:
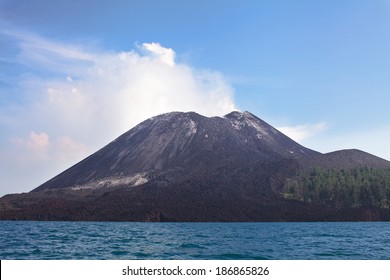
(187, 167)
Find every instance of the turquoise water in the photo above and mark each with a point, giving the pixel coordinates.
(106, 240)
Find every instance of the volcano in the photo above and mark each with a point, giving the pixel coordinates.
(187, 167)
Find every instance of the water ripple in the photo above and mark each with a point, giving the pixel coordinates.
(104, 240)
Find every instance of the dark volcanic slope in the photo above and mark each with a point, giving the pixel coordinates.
(345, 159)
(187, 167)
(180, 141)
(355, 158)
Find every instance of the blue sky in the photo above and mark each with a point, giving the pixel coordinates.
(76, 74)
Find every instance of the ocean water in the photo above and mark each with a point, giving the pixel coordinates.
(205, 241)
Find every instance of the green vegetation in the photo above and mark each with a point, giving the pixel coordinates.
(341, 188)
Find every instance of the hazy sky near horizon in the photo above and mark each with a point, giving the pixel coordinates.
(74, 75)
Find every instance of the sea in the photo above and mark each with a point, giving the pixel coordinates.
(194, 241)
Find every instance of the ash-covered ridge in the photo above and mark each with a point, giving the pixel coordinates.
(267, 136)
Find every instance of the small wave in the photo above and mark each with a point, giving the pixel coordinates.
(336, 255)
(233, 256)
(142, 255)
(191, 246)
(36, 252)
(119, 253)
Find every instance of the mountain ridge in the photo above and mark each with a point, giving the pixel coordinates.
(236, 164)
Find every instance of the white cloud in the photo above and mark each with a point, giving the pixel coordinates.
(36, 143)
(302, 132)
(81, 98)
(165, 55)
(121, 89)
(39, 147)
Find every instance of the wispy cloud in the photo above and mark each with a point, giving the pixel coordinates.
(36, 51)
(303, 132)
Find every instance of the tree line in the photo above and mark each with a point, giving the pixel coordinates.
(357, 187)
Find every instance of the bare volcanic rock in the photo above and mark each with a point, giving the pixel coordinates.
(187, 167)
(174, 142)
